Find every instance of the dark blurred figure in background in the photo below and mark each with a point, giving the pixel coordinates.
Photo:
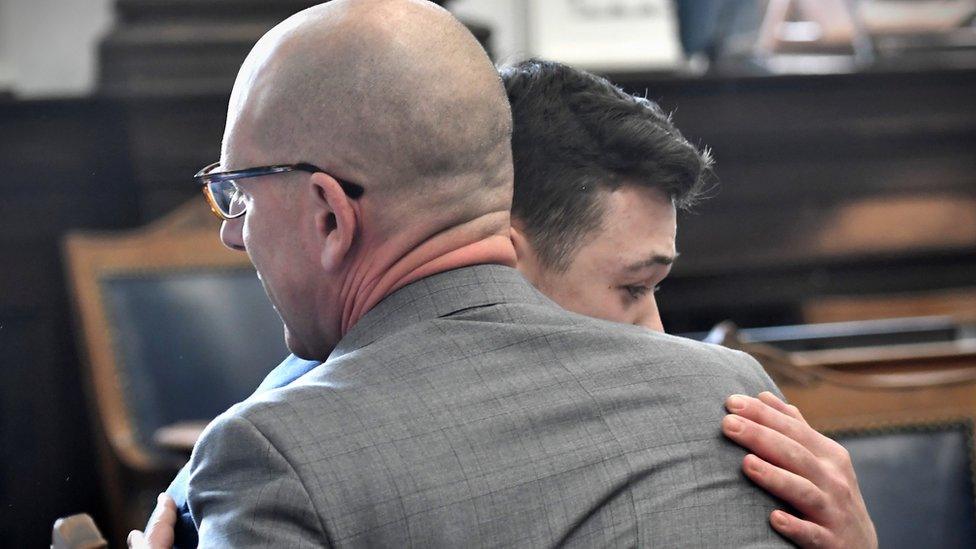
(712, 28)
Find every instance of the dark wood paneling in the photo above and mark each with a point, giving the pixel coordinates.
(176, 48)
(65, 165)
(170, 139)
(172, 64)
(808, 167)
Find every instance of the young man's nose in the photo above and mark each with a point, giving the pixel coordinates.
(651, 318)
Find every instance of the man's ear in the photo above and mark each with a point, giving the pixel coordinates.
(526, 257)
(336, 221)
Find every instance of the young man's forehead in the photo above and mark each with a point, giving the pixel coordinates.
(653, 259)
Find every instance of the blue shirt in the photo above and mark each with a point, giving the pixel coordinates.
(289, 370)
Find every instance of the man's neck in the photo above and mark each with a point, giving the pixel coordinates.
(373, 278)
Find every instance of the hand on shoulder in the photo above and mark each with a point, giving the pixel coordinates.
(808, 470)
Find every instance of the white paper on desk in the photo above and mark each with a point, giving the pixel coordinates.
(606, 34)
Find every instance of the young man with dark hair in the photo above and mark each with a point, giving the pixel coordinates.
(599, 174)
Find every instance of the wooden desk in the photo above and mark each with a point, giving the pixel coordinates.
(856, 387)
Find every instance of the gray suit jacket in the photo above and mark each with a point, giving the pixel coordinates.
(468, 410)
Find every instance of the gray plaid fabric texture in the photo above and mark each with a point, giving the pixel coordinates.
(468, 410)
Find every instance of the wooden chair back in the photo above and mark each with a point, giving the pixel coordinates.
(173, 327)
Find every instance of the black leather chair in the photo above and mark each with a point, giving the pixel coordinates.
(174, 328)
(188, 343)
(917, 482)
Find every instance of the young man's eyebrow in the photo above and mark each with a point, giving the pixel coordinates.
(656, 259)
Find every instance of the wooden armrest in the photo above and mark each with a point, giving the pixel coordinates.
(180, 436)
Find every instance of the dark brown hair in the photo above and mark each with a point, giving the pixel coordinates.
(577, 136)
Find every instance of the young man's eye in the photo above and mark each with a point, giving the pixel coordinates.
(637, 291)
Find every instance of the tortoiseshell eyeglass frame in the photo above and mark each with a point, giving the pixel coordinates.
(207, 179)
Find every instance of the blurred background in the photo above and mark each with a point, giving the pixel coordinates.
(844, 133)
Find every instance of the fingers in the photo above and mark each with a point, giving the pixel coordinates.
(773, 447)
(164, 503)
(809, 471)
(162, 524)
(781, 422)
(766, 411)
(136, 540)
(801, 532)
(799, 492)
(774, 402)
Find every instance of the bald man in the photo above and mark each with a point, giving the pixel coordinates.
(456, 405)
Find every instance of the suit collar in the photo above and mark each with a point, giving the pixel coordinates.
(437, 296)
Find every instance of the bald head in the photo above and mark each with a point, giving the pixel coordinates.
(393, 94)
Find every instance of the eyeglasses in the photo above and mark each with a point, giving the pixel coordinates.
(226, 199)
